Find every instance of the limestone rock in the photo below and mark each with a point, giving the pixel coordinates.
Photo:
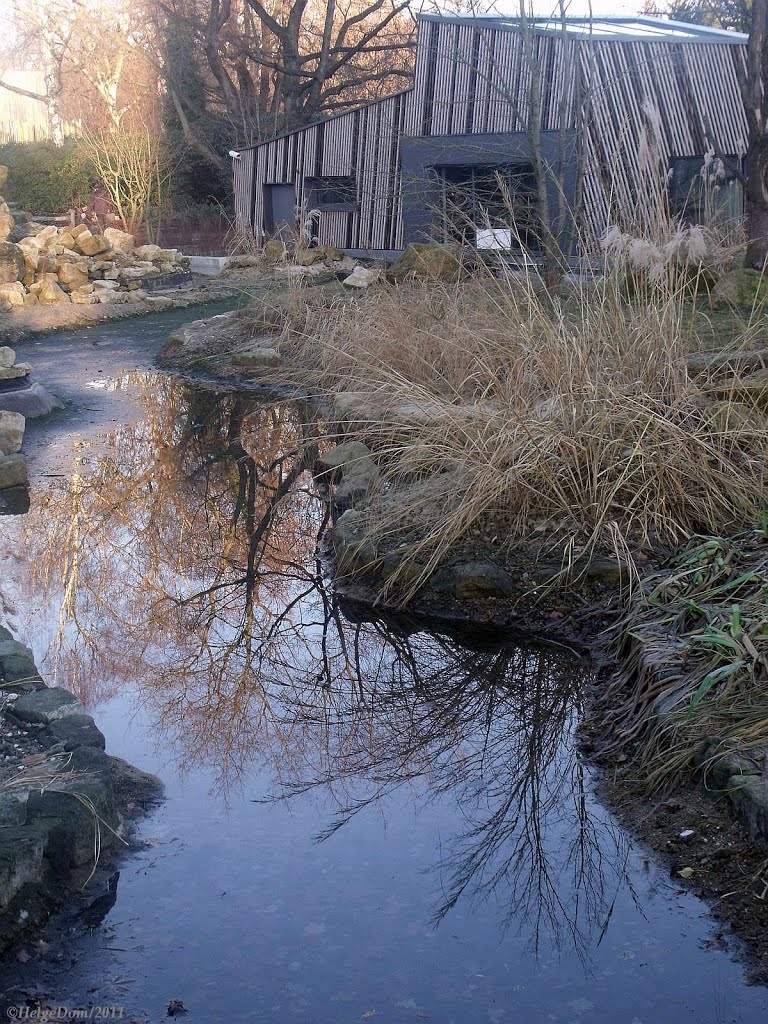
(427, 262)
(91, 245)
(742, 287)
(51, 293)
(13, 471)
(12, 265)
(274, 250)
(15, 371)
(71, 276)
(363, 278)
(308, 257)
(159, 301)
(12, 293)
(256, 357)
(7, 357)
(352, 462)
(83, 298)
(120, 240)
(148, 252)
(355, 553)
(44, 706)
(11, 432)
(6, 224)
(106, 285)
(46, 238)
(468, 580)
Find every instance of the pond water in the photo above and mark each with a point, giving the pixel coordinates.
(365, 820)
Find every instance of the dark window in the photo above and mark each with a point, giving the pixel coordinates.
(332, 192)
(705, 189)
(491, 206)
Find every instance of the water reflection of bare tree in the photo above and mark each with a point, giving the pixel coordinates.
(184, 564)
(491, 728)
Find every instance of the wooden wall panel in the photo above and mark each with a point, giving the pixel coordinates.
(635, 104)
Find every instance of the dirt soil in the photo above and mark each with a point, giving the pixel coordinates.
(705, 848)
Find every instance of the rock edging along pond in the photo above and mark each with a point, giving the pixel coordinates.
(60, 801)
(474, 585)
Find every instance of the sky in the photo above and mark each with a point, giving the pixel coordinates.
(577, 8)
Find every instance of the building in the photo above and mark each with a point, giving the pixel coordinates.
(605, 114)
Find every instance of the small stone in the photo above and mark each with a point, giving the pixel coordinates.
(11, 432)
(687, 833)
(13, 471)
(362, 278)
(685, 872)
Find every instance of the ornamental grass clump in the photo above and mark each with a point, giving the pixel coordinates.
(494, 405)
(693, 650)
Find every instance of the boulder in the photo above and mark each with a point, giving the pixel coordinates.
(15, 372)
(50, 292)
(41, 707)
(12, 265)
(120, 240)
(11, 432)
(47, 238)
(6, 224)
(148, 252)
(13, 471)
(159, 302)
(351, 462)
(355, 552)
(7, 357)
(105, 286)
(66, 240)
(274, 250)
(90, 245)
(468, 580)
(742, 287)
(12, 293)
(84, 298)
(308, 257)
(427, 261)
(256, 357)
(71, 276)
(363, 278)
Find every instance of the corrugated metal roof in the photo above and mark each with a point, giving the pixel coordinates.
(624, 28)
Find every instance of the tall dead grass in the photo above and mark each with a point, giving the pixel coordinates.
(575, 416)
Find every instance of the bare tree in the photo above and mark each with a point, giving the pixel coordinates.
(273, 66)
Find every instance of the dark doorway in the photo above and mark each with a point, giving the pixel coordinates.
(491, 206)
(280, 210)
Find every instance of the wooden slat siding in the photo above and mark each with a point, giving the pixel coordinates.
(472, 79)
(472, 83)
(444, 59)
(461, 94)
(486, 72)
(243, 174)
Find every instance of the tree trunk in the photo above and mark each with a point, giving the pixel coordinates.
(756, 202)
